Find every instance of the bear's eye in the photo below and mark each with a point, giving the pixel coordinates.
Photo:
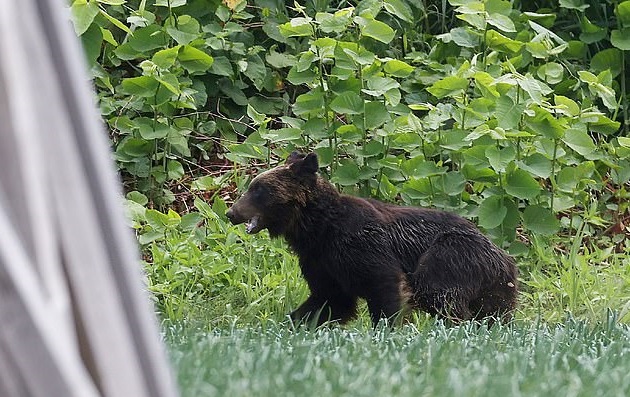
(259, 192)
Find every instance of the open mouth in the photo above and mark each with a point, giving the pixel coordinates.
(253, 225)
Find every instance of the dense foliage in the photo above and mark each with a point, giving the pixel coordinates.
(514, 114)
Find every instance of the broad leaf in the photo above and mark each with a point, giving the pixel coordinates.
(398, 68)
(500, 158)
(521, 184)
(83, 15)
(509, 113)
(376, 114)
(579, 141)
(501, 22)
(194, 60)
(143, 86)
(448, 86)
(346, 174)
(348, 103)
(400, 9)
(540, 220)
(297, 27)
(491, 212)
(378, 31)
(621, 39)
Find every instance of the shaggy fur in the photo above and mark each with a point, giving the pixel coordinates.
(352, 248)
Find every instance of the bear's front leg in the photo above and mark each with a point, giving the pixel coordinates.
(318, 309)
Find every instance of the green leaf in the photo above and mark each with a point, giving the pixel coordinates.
(497, 41)
(521, 184)
(143, 86)
(175, 170)
(150, 129)
(591, 33)
(387, 189)
(574, 4)
(222, 67)
(378, 86)
(608, 59)
(453, 183)
(185, 33)
(579, 141)
(109, 37)
(501, 22)
(509, 113)
(256, 70)
(540, 220)
(448, 86)
(500, 158)
(568, 104)
(551, 72)
(464, 37)
(166, 58)
(137, 197)
(116, 22)
(309, 104)
(491, 212)
(92, 41)
(376, 114)
(346, 174)
(297, 27)
(134, 147)
(536, 164)
(170, 3)
(567, 179)
(280, 60)
(537, 90)
(257, 118)
(621, 39)
(544, 124)
(206, 182)
(398, 68)
(596, 86)
(399, 9)
(378, 31)
(83, 15)
(147, 39)
(347, 103)
(623, 13)
(112, 2)
(476, 20)
(337, 23)
(194, 60)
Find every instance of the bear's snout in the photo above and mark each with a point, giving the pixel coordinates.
(235, 216)
(230, 214)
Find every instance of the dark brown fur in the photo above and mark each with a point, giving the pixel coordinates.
(390, 255)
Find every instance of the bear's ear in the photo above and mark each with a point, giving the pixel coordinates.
(295, 156)
(305, 165)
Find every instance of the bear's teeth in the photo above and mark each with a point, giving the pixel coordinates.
(251, 225)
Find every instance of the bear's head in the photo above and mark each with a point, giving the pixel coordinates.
(275, 197)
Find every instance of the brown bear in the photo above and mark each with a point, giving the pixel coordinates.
(392, 256)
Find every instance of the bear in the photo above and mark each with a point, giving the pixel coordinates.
(392, 256)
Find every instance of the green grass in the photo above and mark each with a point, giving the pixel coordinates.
(530, 359)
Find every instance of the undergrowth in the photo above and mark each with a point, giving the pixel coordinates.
(200, 266)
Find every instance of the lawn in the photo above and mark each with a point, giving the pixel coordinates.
(525, 358)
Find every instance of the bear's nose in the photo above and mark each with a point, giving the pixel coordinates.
(230, 214)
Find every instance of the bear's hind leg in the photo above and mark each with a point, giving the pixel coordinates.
(387, 300)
